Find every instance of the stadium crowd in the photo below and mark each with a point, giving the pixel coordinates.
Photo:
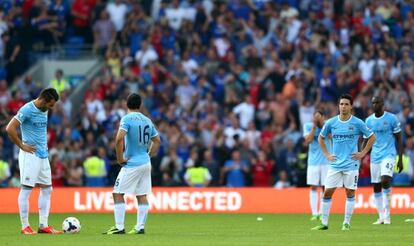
(228, 83)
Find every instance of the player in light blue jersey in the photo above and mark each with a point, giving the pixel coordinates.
(33, 157)
(141, 140)
(317, 163)
(383, 155)
(346, 130)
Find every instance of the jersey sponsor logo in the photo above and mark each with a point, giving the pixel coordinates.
(342, 136)
(40, 124)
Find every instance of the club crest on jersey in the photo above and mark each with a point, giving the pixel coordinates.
(351, 128)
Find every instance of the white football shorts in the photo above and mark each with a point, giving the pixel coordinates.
(134, 180)
(384, 168)
(316, 175)
(34, 170)
(337, 179)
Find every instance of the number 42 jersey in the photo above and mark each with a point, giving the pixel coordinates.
(140, 130)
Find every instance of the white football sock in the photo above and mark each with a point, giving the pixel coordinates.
(326, 206)
(386, 196)
(142, 216)
(119, 212)
(23, 201)
(313, 199)
(349, 209)
(379, 204)
(320, 202)
(44, 206)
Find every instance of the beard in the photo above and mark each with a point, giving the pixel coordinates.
(43, 108)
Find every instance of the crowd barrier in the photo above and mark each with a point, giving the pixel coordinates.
(205, 200)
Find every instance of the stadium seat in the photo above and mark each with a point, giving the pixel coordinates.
(95, 181)
(73, 47)
(401, 179)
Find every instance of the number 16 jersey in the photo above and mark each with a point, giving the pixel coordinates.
(140, 130)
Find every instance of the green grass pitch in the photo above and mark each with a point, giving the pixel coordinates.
(215, 229)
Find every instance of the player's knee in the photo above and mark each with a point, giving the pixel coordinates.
(46, 190)
(118, 197)
(386, 183)
(142, 199)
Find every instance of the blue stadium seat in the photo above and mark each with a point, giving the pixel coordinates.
(95, 181)
(401, 179)
(3, 73)
(74, 46)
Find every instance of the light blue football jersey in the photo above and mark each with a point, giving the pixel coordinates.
(33, 127)
(315, 154)
(140, 130)
(345, 135)
(384, 128)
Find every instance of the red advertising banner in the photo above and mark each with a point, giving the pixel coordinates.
(205, 200)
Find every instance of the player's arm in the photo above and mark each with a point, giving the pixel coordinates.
(369, 142)
(156, 142)
(309, 136)
(119, 147)
(207, 178)
(329, 156)
(400, 149)
(11, 130)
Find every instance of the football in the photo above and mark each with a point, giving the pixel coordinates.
(71, 225)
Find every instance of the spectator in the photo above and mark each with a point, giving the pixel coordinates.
(197, 176)
(95, 170)
(59, 83)
(74, 174)
(235, 170)
(27, 86)
(4, 173)
(261, 170)
(104, 33)
(81, 18)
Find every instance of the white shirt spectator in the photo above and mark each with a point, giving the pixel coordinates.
(95, 107)
(146, 56)
(367, 68)
(175, 16)
(190, 66)
(117, 12)
(229, 133)
(293, 30)
(245, 111)
(222, 46)
(185, 94)
(253, 136)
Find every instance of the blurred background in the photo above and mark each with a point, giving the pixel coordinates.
(229, 84)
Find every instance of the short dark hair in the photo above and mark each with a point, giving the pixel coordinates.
(319, 112)
(49, 94)
(347, 96)
(134, 101)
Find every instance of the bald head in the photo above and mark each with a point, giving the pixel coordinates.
(378, 105)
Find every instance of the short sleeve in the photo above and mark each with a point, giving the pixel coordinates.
(396, 125)
(326, 129)
(124, 124)
(366, 132)
(307, 127)
(22, 115)
(154, 131)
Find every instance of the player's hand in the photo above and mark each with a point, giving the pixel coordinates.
(122, 161)
(331, 157)
(400, 166)
(358, 156)
(28, 148)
